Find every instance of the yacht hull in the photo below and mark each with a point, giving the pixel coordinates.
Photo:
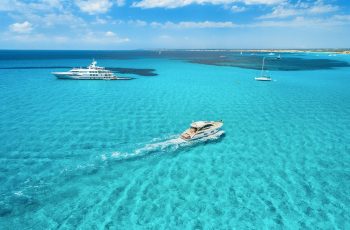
(202, 133)
(263, 79)
(67, 76)
(64, 75)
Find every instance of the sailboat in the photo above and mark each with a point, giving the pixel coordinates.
(262, 76)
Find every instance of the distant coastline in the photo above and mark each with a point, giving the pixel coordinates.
(335, 51)
(331, 51)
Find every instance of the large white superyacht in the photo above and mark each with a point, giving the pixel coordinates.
(92, 72)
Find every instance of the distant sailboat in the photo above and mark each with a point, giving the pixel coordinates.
(263, 76)
(279, 57)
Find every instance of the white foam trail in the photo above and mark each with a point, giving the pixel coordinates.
(119, 155)
(18, 193)
(171, 144)
(162, 145)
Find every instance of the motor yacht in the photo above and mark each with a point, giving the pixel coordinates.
(92, 72)
(200, 129)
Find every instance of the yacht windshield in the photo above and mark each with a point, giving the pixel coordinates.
(206, 126)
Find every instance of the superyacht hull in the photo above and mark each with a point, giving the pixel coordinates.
(87, 77)
(64, 76)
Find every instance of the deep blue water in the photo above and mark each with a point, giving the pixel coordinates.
(105, 154)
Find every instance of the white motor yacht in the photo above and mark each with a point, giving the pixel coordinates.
(200, 129)
(92, 72)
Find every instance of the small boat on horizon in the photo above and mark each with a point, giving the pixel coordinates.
(92, 72)
(200, 129)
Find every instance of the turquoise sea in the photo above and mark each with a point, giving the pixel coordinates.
(105, 154)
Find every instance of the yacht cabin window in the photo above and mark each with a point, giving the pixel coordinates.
(206, 127)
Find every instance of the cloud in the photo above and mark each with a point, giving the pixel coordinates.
(344, 18)
(180, 25)
(110, 34)
(321, 8)
(192, 25)
(300, 8)
(43, 13)
(237, 9)
(94, 6)
(91, 39)
(181, 3)
(53, 19)
(120, 2)
(298, 21)
(46, 5)
(60, 39)
(21, 6)
(260, 2)
(24, 27)
(281, 12)
(100, 21)
(137, 23)
(7, 5)
(305, 22)
(108, 37)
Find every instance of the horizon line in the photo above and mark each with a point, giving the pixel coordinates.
(182, 49)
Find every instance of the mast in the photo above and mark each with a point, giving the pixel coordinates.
(262, 67)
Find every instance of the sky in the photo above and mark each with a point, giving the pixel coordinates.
(174, 24)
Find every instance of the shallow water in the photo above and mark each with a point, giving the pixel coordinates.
(106, 154)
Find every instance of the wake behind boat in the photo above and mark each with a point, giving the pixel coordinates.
(92, 72)
(200, 129)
